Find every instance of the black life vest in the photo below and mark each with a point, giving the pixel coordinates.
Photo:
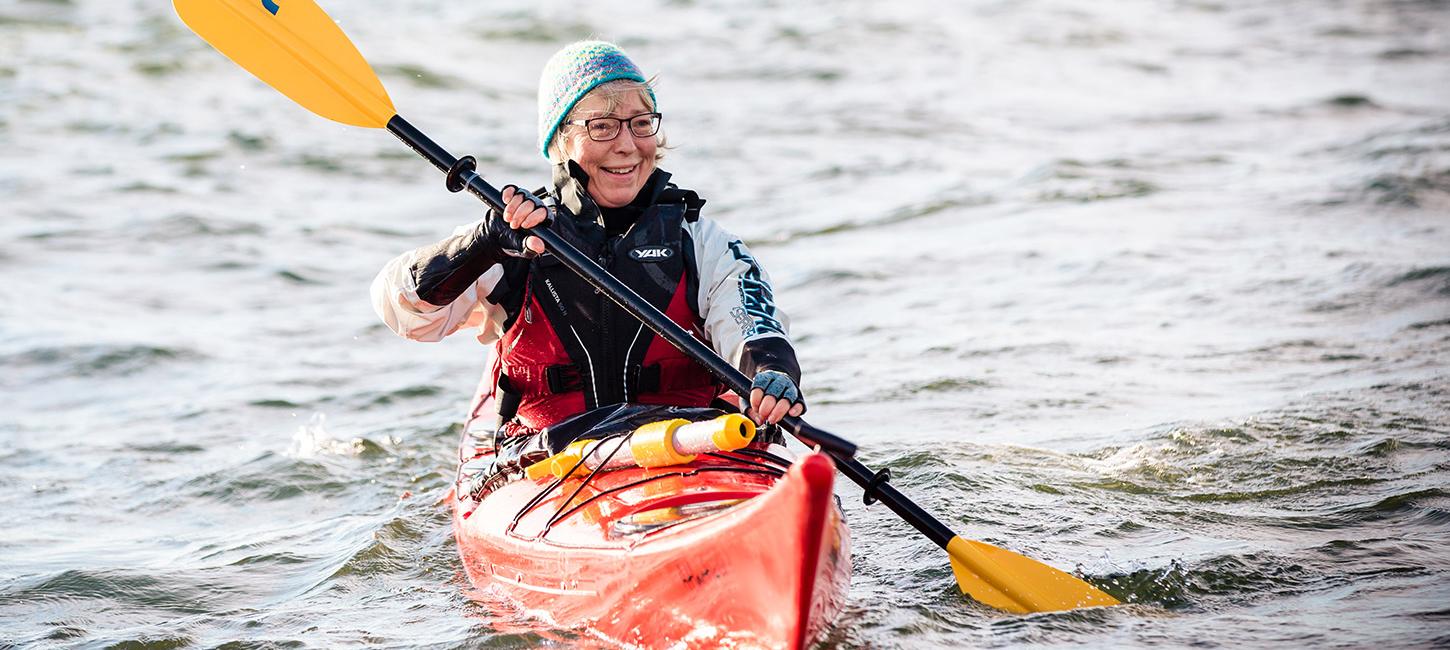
(570, 348)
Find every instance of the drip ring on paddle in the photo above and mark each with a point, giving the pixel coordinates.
(454, 180)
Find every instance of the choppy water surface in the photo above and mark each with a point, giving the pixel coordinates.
(1159, 291)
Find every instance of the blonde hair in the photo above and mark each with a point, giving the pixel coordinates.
(613, 93)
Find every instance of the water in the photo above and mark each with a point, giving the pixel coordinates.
(1154, 291)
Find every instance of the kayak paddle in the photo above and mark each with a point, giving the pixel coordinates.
(294, 46)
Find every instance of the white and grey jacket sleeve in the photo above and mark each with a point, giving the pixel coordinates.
(737, 303)
(432, 291)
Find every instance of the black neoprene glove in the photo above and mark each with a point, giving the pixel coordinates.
(444, 270)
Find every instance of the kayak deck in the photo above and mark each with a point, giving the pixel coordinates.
(740, 549)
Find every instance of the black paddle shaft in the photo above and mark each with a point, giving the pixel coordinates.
(461, 175)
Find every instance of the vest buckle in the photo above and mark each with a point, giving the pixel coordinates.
(564, 378)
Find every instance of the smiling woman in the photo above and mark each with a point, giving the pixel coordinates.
(568, 365)
(560, 348)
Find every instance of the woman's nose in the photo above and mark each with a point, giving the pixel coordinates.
(625, 142)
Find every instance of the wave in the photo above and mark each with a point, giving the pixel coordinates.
(100, 360)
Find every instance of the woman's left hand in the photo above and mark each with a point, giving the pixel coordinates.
(522, 211)
(773, 396)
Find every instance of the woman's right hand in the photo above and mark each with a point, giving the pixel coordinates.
(523, 211)
(773, 395)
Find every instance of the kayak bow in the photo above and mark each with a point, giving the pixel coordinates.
(738, 549)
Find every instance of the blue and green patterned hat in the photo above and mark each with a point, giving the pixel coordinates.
(570, 74)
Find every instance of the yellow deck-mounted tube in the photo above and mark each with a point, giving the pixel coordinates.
(653, 445)
(657, 444)
(562, 460)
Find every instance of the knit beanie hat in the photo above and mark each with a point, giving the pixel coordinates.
(570, 74)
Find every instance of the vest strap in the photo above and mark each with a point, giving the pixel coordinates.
(509, 399)
(564, 378)
(567, 378)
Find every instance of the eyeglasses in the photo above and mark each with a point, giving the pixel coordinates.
(604, 129)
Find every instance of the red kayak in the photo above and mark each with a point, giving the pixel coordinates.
(735, 549)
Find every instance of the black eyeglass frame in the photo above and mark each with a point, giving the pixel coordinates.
(619, 123)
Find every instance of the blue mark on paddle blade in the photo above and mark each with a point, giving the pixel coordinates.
(271, 5)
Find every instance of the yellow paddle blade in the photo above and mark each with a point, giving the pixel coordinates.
(1016, 583)
(296, 48)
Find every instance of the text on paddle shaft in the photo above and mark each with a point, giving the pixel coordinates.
(272, 6)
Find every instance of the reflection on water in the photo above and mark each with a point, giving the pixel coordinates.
(1157, 292)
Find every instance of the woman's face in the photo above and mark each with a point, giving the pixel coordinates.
(618, 168)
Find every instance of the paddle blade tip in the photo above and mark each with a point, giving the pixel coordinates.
(296, 49)
(999, 578)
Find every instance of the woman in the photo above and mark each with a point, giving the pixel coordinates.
(561, 348)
